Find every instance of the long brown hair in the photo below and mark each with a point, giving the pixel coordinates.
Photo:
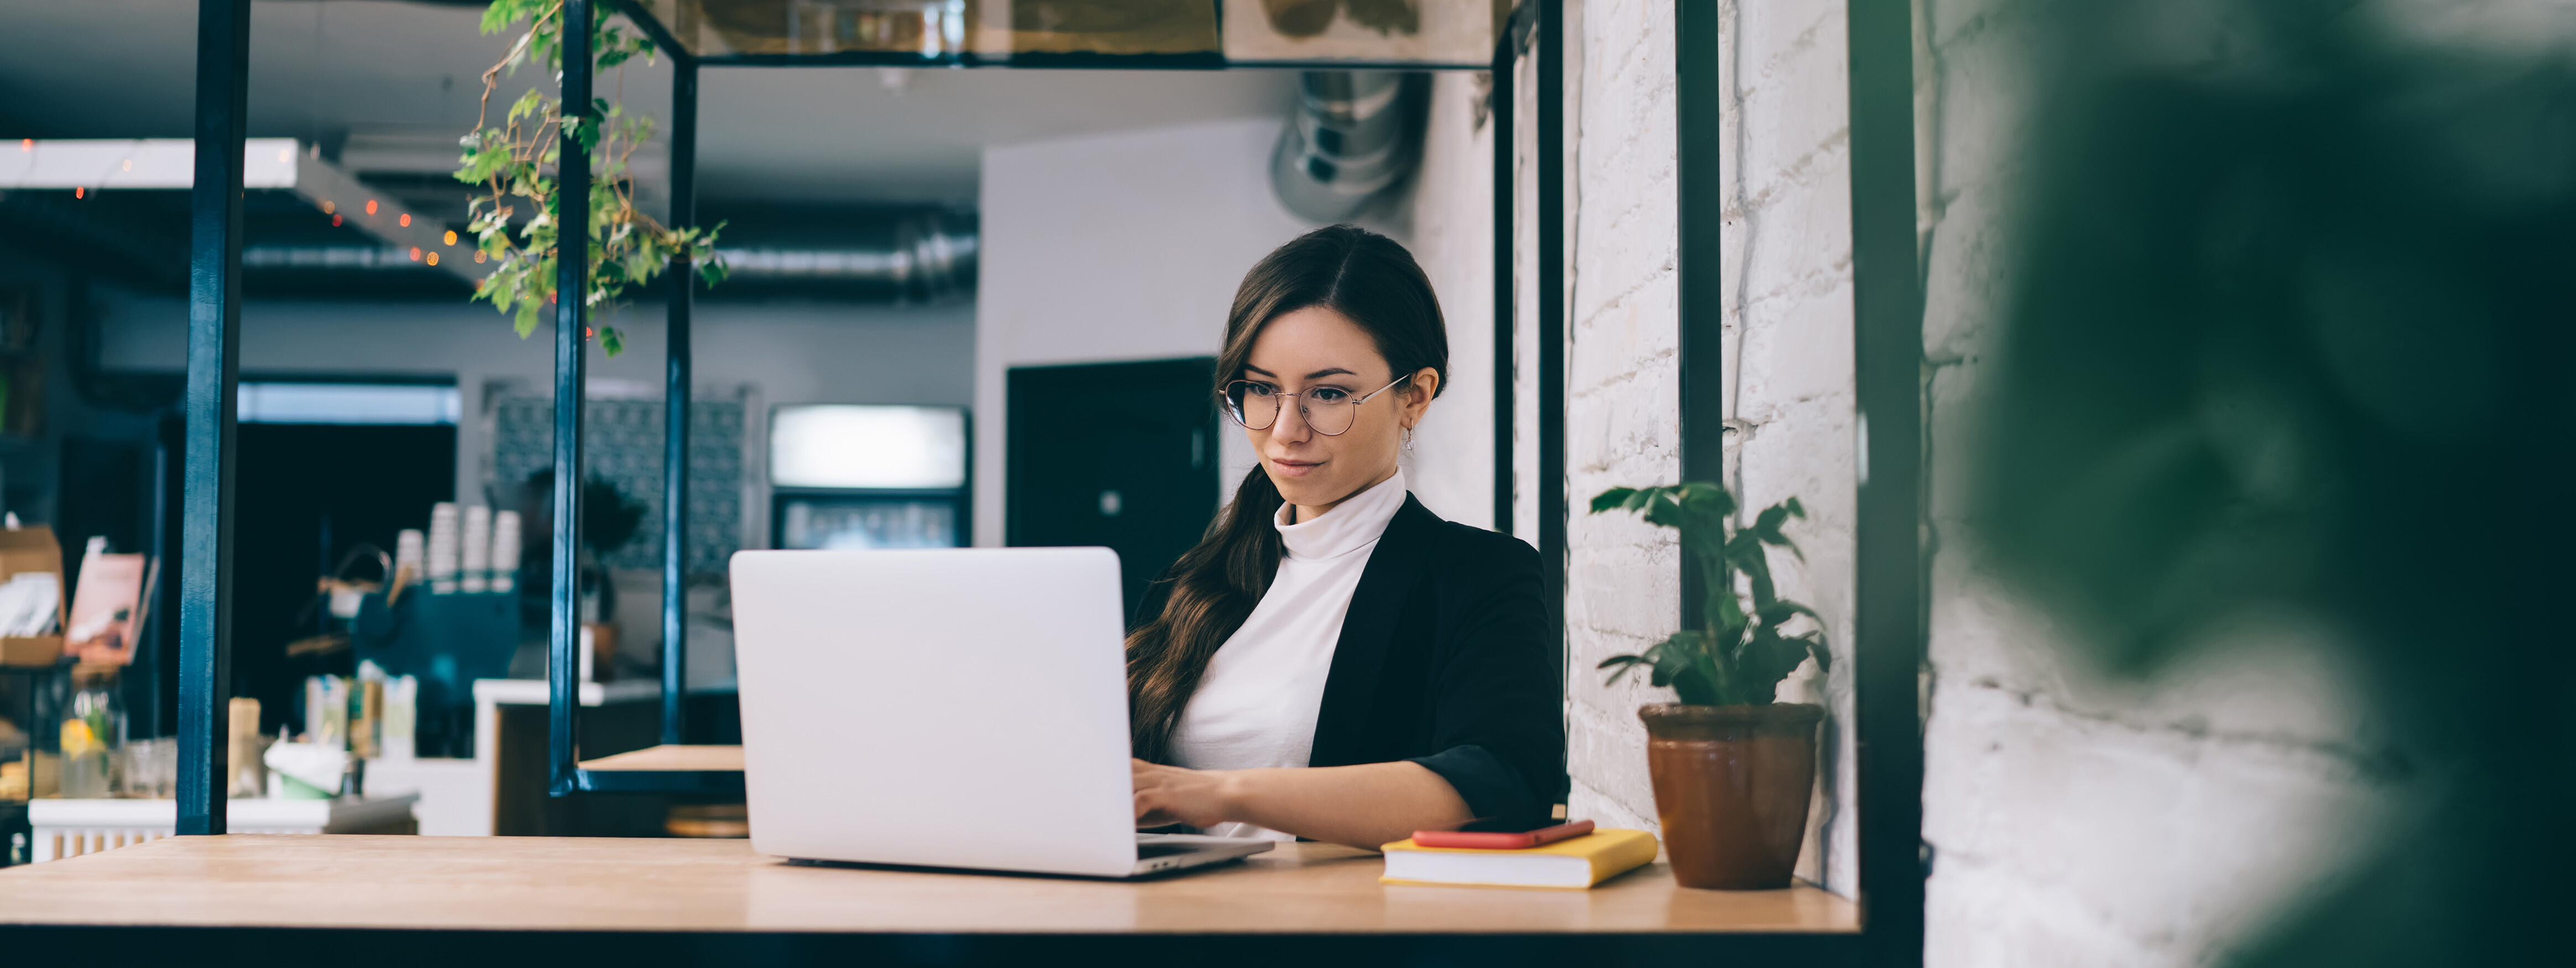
(1374, 282)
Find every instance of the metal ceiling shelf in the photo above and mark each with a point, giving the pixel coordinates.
(1396, 35)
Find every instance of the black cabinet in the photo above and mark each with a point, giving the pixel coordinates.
(1122, 455)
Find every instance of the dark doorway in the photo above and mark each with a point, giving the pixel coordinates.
(361, 482)
(1116, 454)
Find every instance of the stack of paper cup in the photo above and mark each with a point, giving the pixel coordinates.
(476, 557)
(410, 554)
(505, 551)
(402, 715)
(443, 547)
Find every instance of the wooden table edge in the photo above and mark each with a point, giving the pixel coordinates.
(1342, 898)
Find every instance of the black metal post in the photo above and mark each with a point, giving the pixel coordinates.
(1699, 90)
(214, 374)
(1503, 106)
(572, 207)
(148, 711)
(1887, 318)
(675, 392)
(1550, 164)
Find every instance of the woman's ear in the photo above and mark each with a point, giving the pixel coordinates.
(1418, 393)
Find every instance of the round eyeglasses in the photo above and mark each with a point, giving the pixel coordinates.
(1327, 410)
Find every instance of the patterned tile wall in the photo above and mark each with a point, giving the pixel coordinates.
(622, 444)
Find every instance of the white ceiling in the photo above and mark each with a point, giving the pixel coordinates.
(396, 80)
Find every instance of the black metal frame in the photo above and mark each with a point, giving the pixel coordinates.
(1549, 48)
(1888, 353)
(572, 265)
(1889, 624)
(1699, 90)
(1502, 107)
(214, 372)
(683, 291)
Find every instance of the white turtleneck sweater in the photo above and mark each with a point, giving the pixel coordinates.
(1257, 704)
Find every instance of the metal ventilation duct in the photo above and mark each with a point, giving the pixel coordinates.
(929, 262)
(1355, 134)
(929, 258)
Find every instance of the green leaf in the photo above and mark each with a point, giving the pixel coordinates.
(1767, 524)
(611, 341)
(1703, 683)
(1661, 510)
(1642, 496)
(528, 104)
(1780, 611)
(1706, 501)
(1624, 664)
(1611, 499)
(527, 322)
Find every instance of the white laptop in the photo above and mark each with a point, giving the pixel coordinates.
(961, 708)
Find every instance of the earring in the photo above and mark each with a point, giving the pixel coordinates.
(1408, 440)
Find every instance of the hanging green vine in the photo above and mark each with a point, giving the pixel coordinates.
(513, 164)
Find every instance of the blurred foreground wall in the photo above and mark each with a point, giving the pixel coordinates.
(2074, 820)
(2077, 821)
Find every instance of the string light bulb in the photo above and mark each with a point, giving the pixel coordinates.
(405, 220)
(371, 206)
(451, 236)
(433, 258)
(335, 221)
(415, 253)
(79, 192)
(329, 208)
(478, 258)
(26, 144)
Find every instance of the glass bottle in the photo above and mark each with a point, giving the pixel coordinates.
(93, 731)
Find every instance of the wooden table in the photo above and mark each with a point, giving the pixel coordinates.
(616, 885)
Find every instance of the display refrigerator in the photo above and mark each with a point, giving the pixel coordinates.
(869, 476)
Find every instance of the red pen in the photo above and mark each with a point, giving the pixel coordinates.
(1483, 840)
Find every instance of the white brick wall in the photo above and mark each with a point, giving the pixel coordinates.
(1622, 407)
(1787, 275)
(1787, 321)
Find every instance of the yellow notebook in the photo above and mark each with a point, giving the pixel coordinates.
(1577, 863)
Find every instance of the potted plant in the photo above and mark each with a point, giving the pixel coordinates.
(1732, 769)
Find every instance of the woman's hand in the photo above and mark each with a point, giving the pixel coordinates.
(1169, 794)
(1361, 806)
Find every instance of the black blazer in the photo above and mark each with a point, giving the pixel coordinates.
(1445, 661)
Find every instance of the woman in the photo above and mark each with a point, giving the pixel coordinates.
(1333, 661)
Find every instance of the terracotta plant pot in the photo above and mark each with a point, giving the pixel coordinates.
(1731, 788)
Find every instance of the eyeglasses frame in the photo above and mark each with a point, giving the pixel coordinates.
(1225, 402)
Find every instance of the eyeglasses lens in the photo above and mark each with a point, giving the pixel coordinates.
(1255, 407)
(1328, 417)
